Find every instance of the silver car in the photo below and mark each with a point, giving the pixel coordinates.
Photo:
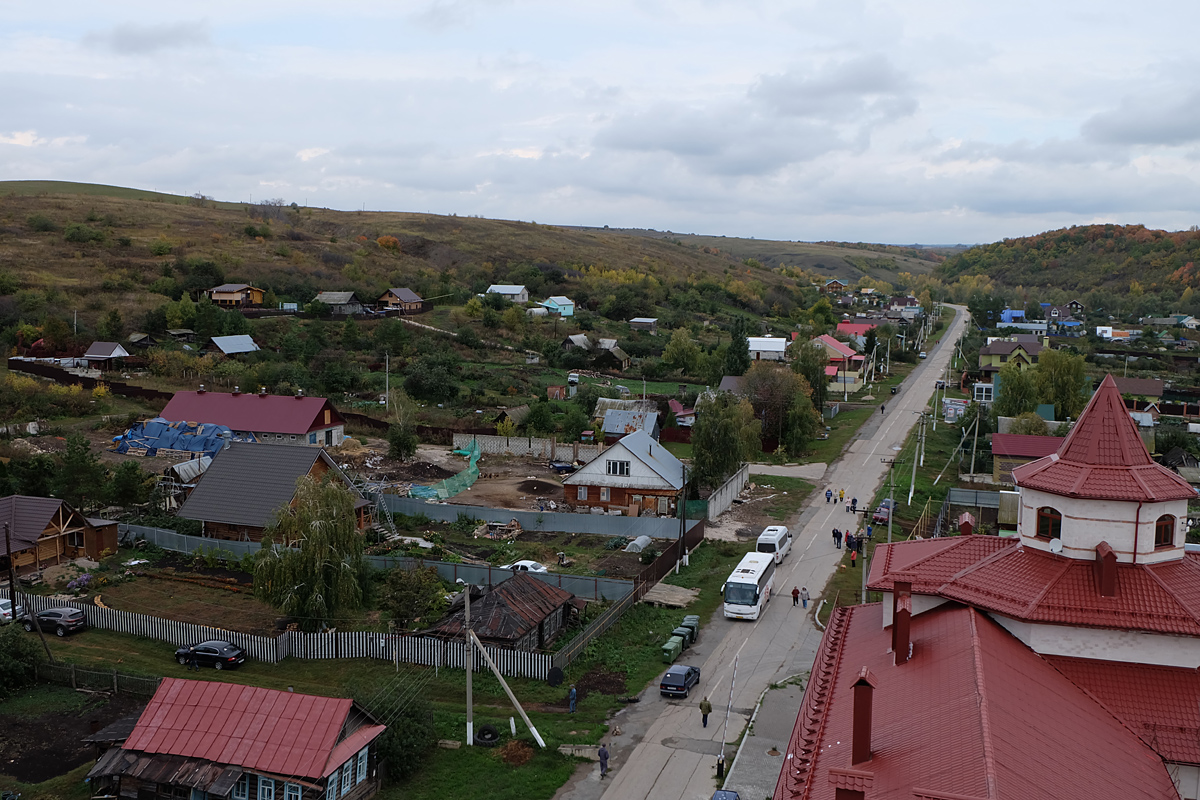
(6, 611)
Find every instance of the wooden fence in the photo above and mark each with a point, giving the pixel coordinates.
(97, 680)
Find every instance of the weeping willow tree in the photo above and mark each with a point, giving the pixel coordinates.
(317, 573)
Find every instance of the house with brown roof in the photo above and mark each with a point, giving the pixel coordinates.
(1011, 450)
(278, 419)
(1066, 639)
(224, 741)
(236, 295)
(522, 613)
(1140, 388)
(406, 301)
(999, 352)
(46, 531)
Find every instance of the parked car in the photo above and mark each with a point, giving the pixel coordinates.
(940, 385)
(60, 620)
(562, 467)
(525, 566)
(215, 654)
(725, 794)
(923, 354)
(884, 512)
(7, 614)
(679, 680)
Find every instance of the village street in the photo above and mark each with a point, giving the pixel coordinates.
(663, 752)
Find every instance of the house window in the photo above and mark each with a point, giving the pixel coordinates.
(75, 538)
(200, 794)
(327, 417)
(360, 766)
(617, 467)
(291, 791)
(241, 789)
(266, 789)
(312, 438)
(1049, 523)
(1164, 531)
(582, 493)
(662, 505)
(331, 787)
(604, 494)
(347, 777)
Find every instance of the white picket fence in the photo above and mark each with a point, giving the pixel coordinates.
(424, 650)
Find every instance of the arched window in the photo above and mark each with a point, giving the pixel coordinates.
(1164, 531)
(1049, 523)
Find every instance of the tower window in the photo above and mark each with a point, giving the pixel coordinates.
(1164, 531)
(1049, 523)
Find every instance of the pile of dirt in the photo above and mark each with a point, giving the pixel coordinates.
(538, 488)
(424, 471)
(515, 752)
(599, 680)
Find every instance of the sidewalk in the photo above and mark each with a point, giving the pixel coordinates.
(756, 768)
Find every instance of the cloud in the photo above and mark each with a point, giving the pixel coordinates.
(309, 153)
(1148, 120)
(139, 40)
(860, 89)
(22, 139)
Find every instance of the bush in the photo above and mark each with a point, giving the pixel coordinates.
(160, 247)
(78, 233)
(402, 443)
(253, 232)
(40, 223)
(18, 655)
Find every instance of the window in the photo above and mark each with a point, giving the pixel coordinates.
(266, 789)
(617, 467)
(582, 493)
(279, 436)
(312, 438)
(241, 789)
(1049, 523)
(604, 494)
(291, 791)
(1164, 531)
(347, 777)
(331, 787)
(327, 417)
(361, 766)
(200, 794)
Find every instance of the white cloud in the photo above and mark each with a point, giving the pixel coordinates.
(309, 153)
(140, 40)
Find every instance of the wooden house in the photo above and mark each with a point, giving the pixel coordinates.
(341, 303)
(523, 613)
(635, 472)
(236, 295)
(406, 301)
(46, 531)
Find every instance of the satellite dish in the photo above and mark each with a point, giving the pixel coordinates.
(1056, 545)
(555, 676)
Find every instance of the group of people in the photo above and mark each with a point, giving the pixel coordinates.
(851, 507)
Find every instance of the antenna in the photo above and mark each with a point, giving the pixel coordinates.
(1056, 545)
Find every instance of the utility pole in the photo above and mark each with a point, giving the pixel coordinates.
(912, 485)
(12, 592)
(470, 667)
(891, 462)
(682, 521)
(387, 386)
(975, 442)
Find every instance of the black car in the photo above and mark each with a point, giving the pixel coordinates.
(216, 654)
(60, 620)
(679, 680)
(562, 467)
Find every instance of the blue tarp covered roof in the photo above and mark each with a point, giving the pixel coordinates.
(160, 434)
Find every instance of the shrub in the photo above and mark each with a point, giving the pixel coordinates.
(262, 231)
(42, 224)
(160, 247)
(125, 241)
(18, 655)
(402, 443)
(78, 233)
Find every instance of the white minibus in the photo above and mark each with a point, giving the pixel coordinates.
(775, 539)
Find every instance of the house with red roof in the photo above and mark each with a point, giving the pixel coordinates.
(845, 366)
(1011, 450)
(278, 419)
(206, 739)
(1078, 639)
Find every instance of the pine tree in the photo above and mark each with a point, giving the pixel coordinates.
(737, 357)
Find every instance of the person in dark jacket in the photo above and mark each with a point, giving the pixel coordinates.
(603, 754)
(705, 710)
(571, 698)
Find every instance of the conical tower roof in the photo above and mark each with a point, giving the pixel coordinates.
(1104, 459)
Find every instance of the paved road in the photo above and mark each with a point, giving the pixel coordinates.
(662, 751)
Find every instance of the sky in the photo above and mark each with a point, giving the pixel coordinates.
(913, 121)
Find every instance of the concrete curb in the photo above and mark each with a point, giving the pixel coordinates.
(749, 725)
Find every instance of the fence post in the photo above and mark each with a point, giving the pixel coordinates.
(73, 686)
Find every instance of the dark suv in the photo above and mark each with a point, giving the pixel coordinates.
(60, 620)
(679, 680)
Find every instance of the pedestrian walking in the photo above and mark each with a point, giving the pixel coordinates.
(882, 408)
(854, 504)
(804, 596)
(854, 558)
(837, 538)
(850, 540)
(828, 495)
(571, 698)
(841, 495)
(193, 661)
(795, 595)
(603, 755)
(705, 710)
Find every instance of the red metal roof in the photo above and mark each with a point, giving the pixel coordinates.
(270, 413)
(855, 328)
(265, 730)
(841, 348)
(1024, 446)
(1103, 458)
(1034, 586)
(973, 714)
(1161, 705)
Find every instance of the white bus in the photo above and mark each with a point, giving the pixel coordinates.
(775, 539)
(749, 587)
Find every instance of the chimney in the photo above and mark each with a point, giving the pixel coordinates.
(237, 390)
(227, 436)
(262, 391)
(201, 389)
(860, 738)
(901, 621)
(299, 394)
(1104, 570)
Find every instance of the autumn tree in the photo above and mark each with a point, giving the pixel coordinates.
(1061, 380)
(318, 573)
(1018, 390)
(810, 360)
(725, 436)
(770, 389)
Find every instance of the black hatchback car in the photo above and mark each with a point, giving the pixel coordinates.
(215, 653)
(679, 680)
(60, 620)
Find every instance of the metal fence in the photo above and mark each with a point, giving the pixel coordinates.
(168, 539)
(720, 500)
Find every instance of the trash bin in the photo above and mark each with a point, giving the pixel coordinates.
(685, 634)
(895, 389)
(692, 621)
(672, 649)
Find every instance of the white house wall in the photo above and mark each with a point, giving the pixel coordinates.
(595, 473)
(1087, 522)
(1187, 779)
(920, 604)
(1134, 647)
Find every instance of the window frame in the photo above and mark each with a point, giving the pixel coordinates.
(292, 791)
(604, 494)
(266, 788)
(241, 789)
(360, 766)
(1053, 526)
(581, 493)
(619, 469)
(347, 777)
(332, 785)
(1166, 522)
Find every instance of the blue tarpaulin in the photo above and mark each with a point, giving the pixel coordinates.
(160, 434)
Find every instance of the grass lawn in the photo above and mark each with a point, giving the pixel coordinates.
(472, 772)
(680, 450)
(69, 786)
(791, 494)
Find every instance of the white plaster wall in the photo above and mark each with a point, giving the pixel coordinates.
(1107, 645)
(1086, 523)
(920, 604)
(1187, 780)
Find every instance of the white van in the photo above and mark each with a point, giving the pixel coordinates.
(775, 539)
